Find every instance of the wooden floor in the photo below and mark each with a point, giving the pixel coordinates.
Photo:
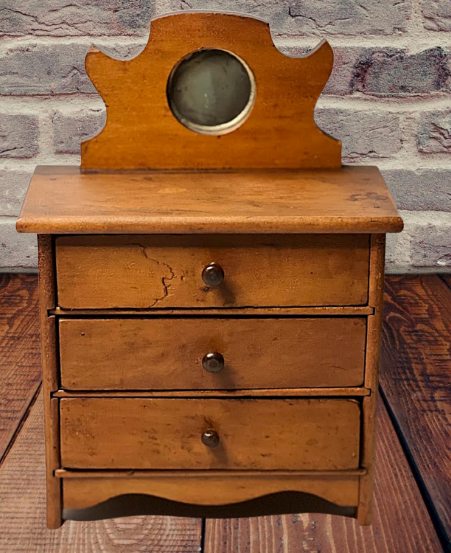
(412, 510)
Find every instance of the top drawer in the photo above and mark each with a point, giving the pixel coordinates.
(153, 271)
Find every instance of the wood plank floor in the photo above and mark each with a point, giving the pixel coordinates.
(20, 353)
(413, 474)
(400, 519)
(416, 383)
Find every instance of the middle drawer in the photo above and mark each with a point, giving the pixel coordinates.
(203, 353)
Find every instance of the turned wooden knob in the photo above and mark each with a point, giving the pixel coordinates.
(210, 438)
(213, 362)
(213, 274)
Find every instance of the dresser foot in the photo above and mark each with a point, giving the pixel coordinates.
(364, 516)
(365, 506)
(54, 503)
(54, 521)
(54, 518)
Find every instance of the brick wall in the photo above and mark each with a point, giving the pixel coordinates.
(388, 100)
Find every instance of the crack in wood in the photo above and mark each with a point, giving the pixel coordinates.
(165, 280)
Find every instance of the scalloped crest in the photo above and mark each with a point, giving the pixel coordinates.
(142, 133)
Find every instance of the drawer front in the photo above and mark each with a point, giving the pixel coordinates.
(101, 272)
(202, 353)
(297, 434)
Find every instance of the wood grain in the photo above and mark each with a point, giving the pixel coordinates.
(20, 367)
(416, 380)
(62, 200)
(23, 511)
(401, 523)
(141, 131)
(165, 354)
(255, 434)
(166, 271)
(446, 279)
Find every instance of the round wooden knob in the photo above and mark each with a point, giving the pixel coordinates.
(213, 274)
(213, 362)
(210, 438)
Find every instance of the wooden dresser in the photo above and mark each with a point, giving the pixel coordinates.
(211, 284)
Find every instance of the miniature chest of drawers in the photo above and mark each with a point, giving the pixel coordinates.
(211, 284)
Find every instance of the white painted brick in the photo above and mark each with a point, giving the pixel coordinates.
(397, 257)
(431, 240)
(420, 190)
(70, 129)
(43, 69)
(346, 59)
(263, 9)
(18, 135)
(13, 185)
(349, 17)
(364, 134)
(423, 245)
(75, 17)
(383, 71)
(305, 17)
(17, 251)
(437, 14)
(434, 133)
(396, 72)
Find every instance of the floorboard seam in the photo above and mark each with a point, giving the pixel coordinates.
(448, 285)
(20, 425)
(435, 518)
(202, 535)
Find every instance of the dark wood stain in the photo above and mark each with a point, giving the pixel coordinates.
(416, 381)
(447, 280)
(20, 364)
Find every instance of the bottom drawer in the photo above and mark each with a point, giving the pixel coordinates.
(251, 434)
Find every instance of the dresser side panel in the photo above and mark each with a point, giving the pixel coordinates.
(47, 299)
(374, 333)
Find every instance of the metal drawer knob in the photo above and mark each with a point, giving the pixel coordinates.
(213, 274)
(210, 438)
(213, 362)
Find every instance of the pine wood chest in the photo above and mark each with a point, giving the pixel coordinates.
(210, 299)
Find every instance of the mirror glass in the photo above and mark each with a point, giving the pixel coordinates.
(211, 91)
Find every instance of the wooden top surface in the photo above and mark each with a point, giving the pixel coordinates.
(64, 200)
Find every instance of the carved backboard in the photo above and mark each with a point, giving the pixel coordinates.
(210, 91)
